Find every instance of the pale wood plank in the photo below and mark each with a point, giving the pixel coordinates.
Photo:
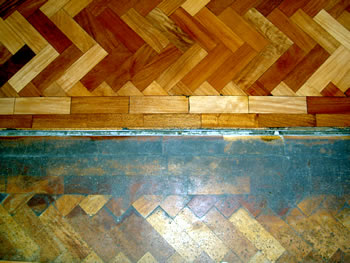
(333, 27)
(129, 89)
(73, 7)
(78, 90)
(283, 90)
(172, 121)
(313, 29)
(27, 32)
(73, 30)
(52, 105)
(194, 6)
(7, 106)
(159, 104)
(51, 7)
(256, 234)
(100, 105)
(154, 89)
(218, 104)
(229, 121)
(206, 90)
(336, 65)
(81, 67)
(289, 105)
(170, 77)
(268, 56)
(27, 73)
(151, 35)
(103, 90)
(9, 38)
(231, 89)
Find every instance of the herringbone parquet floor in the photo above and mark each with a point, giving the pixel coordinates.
(172, 200)
(174, 63)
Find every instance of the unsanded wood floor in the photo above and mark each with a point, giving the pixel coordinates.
(175, 199)
(174, 63)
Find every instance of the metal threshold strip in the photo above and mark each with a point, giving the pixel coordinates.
(181, 132)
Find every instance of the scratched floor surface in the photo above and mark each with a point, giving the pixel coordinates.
(175, 199)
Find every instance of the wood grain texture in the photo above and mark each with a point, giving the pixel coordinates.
(100, 105)
(9, 38)
(261, 104)
(27, 32)
(143, 28)
(328, 105)
(276, 54)
(42, 106)
(7, 105)
(33, 68)
(159, 104)
(218, 104)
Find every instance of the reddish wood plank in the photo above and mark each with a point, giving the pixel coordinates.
(206, 67)
(30, 91)
(279, 70)
(232, 66)
(328, 105)
(218, 6)
(257, 89)
(15, 121)
(15, 63)
(303, 71)
(286, 120)
(332, 91)
(131, 67)
(96, 30)
(49, 31)
(155, 67)
(109, 65)
(266, 7)
(122, 31)
(241, 7)
(7, 7)
(289, 7)
(56, 68)
(121, 6)
(96, 7)
(30, 6)
(193, 28)
(314, 6)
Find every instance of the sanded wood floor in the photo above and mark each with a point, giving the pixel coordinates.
(174, 63)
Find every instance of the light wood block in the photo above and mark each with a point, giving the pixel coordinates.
(53, 105)
(169, 6)
(159, 104)
(334, 28)
(172, 121)
(219, 104)
(229, 121)
(9, 38)
(51, 7)
(336, 65)
(171, 76)
(313, 29)
(145, 30)
(81, 67)
(73, 7)
(194, 6)
(283, 90)
(268, 56)
(73, 30)
(288, 105)
(7, 106)
(27, 32)
(27, 73)
(100, 105)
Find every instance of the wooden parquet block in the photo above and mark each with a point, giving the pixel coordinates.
(143, 48)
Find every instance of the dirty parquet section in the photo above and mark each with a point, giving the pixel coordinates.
(174, 63)
(175, 199)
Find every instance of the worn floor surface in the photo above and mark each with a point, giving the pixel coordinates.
(175, 199)
(174, 63)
